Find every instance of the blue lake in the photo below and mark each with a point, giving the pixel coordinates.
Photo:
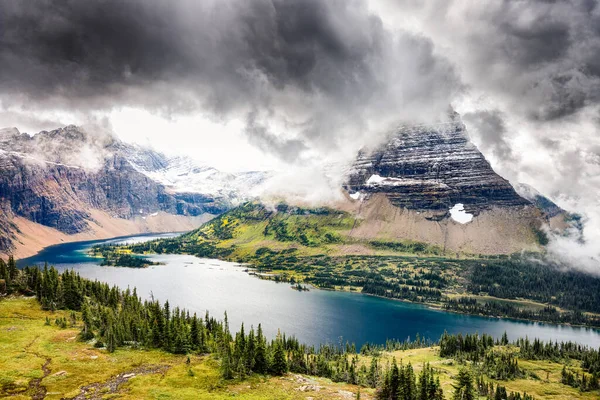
(316, 316)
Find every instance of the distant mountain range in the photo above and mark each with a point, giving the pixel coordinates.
(67, 184)
(427, 183)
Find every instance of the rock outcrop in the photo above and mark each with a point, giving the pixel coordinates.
(432, 168)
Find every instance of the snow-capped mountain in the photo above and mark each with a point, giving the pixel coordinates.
(76, 182)
(182, 174)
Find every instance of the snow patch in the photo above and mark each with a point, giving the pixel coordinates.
(182, 175)
(355, 196)
(391, 181)
(459, 214)
(375, 179)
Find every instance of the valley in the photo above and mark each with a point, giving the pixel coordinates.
(201, 284)
(414, 258)
(314, 246)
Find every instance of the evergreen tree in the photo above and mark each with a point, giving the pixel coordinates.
(250, 351)
(261, 364)
(373, 375)
(279, 364)
(394, 380)
(464, 389)
(111, 342)
(3, 270)
(12, 269)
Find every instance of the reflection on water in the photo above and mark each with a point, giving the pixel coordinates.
(314, 317)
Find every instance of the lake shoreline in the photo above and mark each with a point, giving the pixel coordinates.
(218, 285)
(263, 276)
(432, 306)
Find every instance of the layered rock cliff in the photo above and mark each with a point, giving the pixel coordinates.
(432, 168)
(431, 184)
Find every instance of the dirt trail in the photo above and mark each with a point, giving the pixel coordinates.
(35, 387)
(96, 391)
(37, 390)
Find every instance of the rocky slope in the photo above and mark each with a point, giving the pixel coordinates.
(432, 168)
(431, 184)
(62, 179)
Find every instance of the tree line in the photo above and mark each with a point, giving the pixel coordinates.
(113, 317)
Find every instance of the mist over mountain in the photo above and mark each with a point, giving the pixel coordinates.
(297, 86)
(426, 183)
(92, 184)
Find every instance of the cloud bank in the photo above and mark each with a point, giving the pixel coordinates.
(532, 103)
(312, 81)
(305, 75)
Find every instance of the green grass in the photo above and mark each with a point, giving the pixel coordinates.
(26, 342)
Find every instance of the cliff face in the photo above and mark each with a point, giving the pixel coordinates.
(431, 184)
(58, 178)
(432, 168)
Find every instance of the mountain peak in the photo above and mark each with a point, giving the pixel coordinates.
(432, 167)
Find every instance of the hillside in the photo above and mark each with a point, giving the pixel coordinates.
(80, 339)
(50, 361)
(426, 184)
(316, 246)
(431, 184)
(69, 184)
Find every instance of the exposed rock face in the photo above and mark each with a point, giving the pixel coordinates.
(432, 168)
(415, 186)
(57, 178)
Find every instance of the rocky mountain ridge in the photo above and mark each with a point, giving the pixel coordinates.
(427, 183)
(430, 183)
(58, 179)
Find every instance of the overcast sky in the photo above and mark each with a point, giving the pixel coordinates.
(269, 84)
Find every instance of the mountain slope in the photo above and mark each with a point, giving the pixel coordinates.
(432, 168)
(431, 184)
(79, 184)
(427, 185)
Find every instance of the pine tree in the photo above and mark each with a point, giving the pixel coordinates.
(111, 344)
(409, 390)
(261, 364)
(226, 367)
(394, 385)
(463, 389)
(424, 388)
(225, 351)
(250, 351)
(373, 375)
(3, 270)
(12, 269)
(279, 365)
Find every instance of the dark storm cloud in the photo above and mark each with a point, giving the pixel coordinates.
(491, 132)
(547, 52)
(544, 56)
(315, 65)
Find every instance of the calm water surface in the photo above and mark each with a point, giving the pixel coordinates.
(317, 316)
